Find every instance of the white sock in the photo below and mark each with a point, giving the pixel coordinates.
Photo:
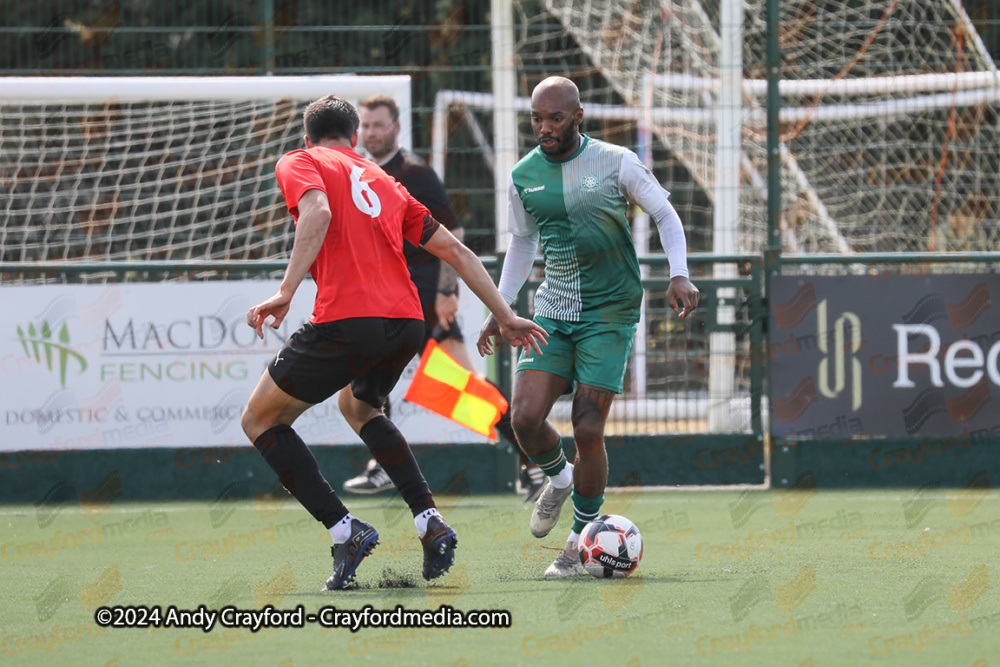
(574, 537)
(420, 521)
(341, 531)
(564, 478)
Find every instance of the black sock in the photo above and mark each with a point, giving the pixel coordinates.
(389, 448)
(299, 473)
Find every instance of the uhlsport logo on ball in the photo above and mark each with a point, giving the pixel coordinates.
(610, 546)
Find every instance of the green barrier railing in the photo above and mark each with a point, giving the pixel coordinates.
(682, 458)
(650, 458)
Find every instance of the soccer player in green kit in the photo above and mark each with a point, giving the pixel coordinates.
(571, 193)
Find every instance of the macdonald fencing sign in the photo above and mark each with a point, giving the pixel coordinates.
(162, 365)
(885, 356)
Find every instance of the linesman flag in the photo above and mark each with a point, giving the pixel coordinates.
(442, 386)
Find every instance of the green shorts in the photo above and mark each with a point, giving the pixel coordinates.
(591, 353)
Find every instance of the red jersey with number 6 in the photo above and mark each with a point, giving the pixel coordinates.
(360, 270)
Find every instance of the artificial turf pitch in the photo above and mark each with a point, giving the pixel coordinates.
(729, 578)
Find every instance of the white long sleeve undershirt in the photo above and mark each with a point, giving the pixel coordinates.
(637, 184)
(517, 265)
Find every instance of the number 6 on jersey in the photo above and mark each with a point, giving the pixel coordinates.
(364, 197)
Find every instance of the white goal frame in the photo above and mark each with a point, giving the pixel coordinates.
(54, 89)
(126, 169)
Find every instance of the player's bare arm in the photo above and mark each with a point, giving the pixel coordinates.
(515, 330)
(314, 220)
(446, 303)
(682, 290)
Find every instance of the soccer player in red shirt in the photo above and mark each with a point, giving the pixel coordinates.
(367, 323)
(436, 282)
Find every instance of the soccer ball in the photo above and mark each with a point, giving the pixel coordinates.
(610, 546)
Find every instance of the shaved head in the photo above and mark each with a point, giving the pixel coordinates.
(556, 116)
(558, 89)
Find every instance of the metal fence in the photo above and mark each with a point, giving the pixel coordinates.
(885, 127)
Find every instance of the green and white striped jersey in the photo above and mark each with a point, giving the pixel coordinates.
(578, 206)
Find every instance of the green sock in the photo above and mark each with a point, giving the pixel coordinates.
(585, 510)
(551, 462)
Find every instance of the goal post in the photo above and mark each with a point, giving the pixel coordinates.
(133, 169)
(204, 89)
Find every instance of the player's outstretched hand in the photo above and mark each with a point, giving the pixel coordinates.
(276, 306)
(522, 332)
(682, 290)
(519, 332)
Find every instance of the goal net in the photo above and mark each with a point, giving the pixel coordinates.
(138, 169)
(889, 123)
(890, 112)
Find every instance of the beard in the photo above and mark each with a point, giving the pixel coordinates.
(563, 145)
(377, 150)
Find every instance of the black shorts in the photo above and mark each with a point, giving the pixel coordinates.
(369, 353)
